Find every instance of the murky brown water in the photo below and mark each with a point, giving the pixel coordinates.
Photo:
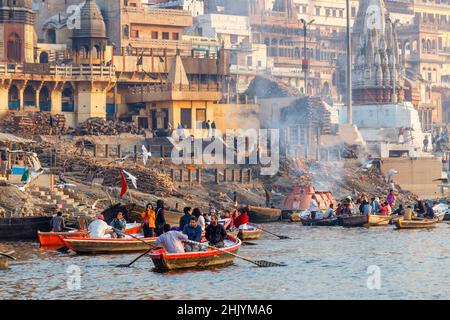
(323, 263)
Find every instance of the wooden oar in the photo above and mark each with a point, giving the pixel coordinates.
(152, 247)
(8, 255)
(281, 237)
(259, 263)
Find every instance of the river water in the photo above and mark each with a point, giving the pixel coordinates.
(322, 263)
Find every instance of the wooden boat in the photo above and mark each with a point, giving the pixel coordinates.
(23, 228)
(164, 261)
(258, 214)
(352, 221)
(251, 233)
(416, 223)
(100, 246)
(52, 240)
(319, 222)
(374, 220)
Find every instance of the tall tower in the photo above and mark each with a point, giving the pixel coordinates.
(17, 36)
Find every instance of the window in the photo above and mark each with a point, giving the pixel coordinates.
(135, 33)
(186, 118)
(175, 36)
(317, 11)
(154, 34)
(353, 12)
(233, 38)
(249, 61)
(327, 12)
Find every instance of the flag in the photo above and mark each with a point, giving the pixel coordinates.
(124, 184)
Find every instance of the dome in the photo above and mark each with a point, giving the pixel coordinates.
(92, 24)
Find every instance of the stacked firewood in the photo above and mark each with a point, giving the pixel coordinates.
(99, 126)
(36, 123)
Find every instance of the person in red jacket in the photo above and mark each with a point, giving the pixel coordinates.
(241, 220)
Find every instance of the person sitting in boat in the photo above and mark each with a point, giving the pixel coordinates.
(119, 224)
(329, 213)
(184, 220)
(313, 206)
(419, 208)
(160, 220)
(200, 219)
(99, 228)
(346, 210)
(384, 209)
(408, 215)
(429, 212)
(400, 210)
(375, 205)
(240, 222)
(215, 233)
(57, 223)
(148, 221)
(172, 241)
(194, 233)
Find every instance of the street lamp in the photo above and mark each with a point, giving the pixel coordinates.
(305, 64)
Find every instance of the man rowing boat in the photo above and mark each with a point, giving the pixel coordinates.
(171, 240)
(215, 233)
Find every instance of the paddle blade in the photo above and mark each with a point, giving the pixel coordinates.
(268, 264)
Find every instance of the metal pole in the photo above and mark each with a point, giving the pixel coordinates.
(304, 54)
(349, 67)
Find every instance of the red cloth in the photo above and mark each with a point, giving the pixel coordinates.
(383, 210)
(124, 184)
(241, 219)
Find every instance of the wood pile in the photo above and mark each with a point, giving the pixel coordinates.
(99, 126)
(36, 123)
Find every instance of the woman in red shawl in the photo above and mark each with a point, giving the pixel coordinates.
(241, 220)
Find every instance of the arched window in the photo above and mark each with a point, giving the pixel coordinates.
(29, 97)
(13, 98)
(43, 57)
(68, 101)
(14, 50)
(45, 103)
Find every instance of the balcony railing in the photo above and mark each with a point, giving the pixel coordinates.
(193, 87)
(64, 71)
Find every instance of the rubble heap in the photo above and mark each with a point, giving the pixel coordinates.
(99, 126)
(35, 123)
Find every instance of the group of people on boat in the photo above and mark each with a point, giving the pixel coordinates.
(374, 206)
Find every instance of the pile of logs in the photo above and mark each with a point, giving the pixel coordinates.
(99, 126)
(36, 123)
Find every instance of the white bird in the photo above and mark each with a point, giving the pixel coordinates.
(365, 165)
(132, 178)
(121, 160)
(145, 155)
(64, 185)
(20, 188)
(390, 174)
(94, 206)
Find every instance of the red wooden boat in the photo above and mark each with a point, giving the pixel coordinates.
(164, 261)
(107, 245)
(251, 233)
(52, 240)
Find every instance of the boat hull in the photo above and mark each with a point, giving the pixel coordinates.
(319, 222)
(377, 220)
(261, 215)
(107, 246)
(53, 240)
(23, 228)
(4, 262)
(248, 234)
(416, 224)
(352, 221)
(164, 261)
